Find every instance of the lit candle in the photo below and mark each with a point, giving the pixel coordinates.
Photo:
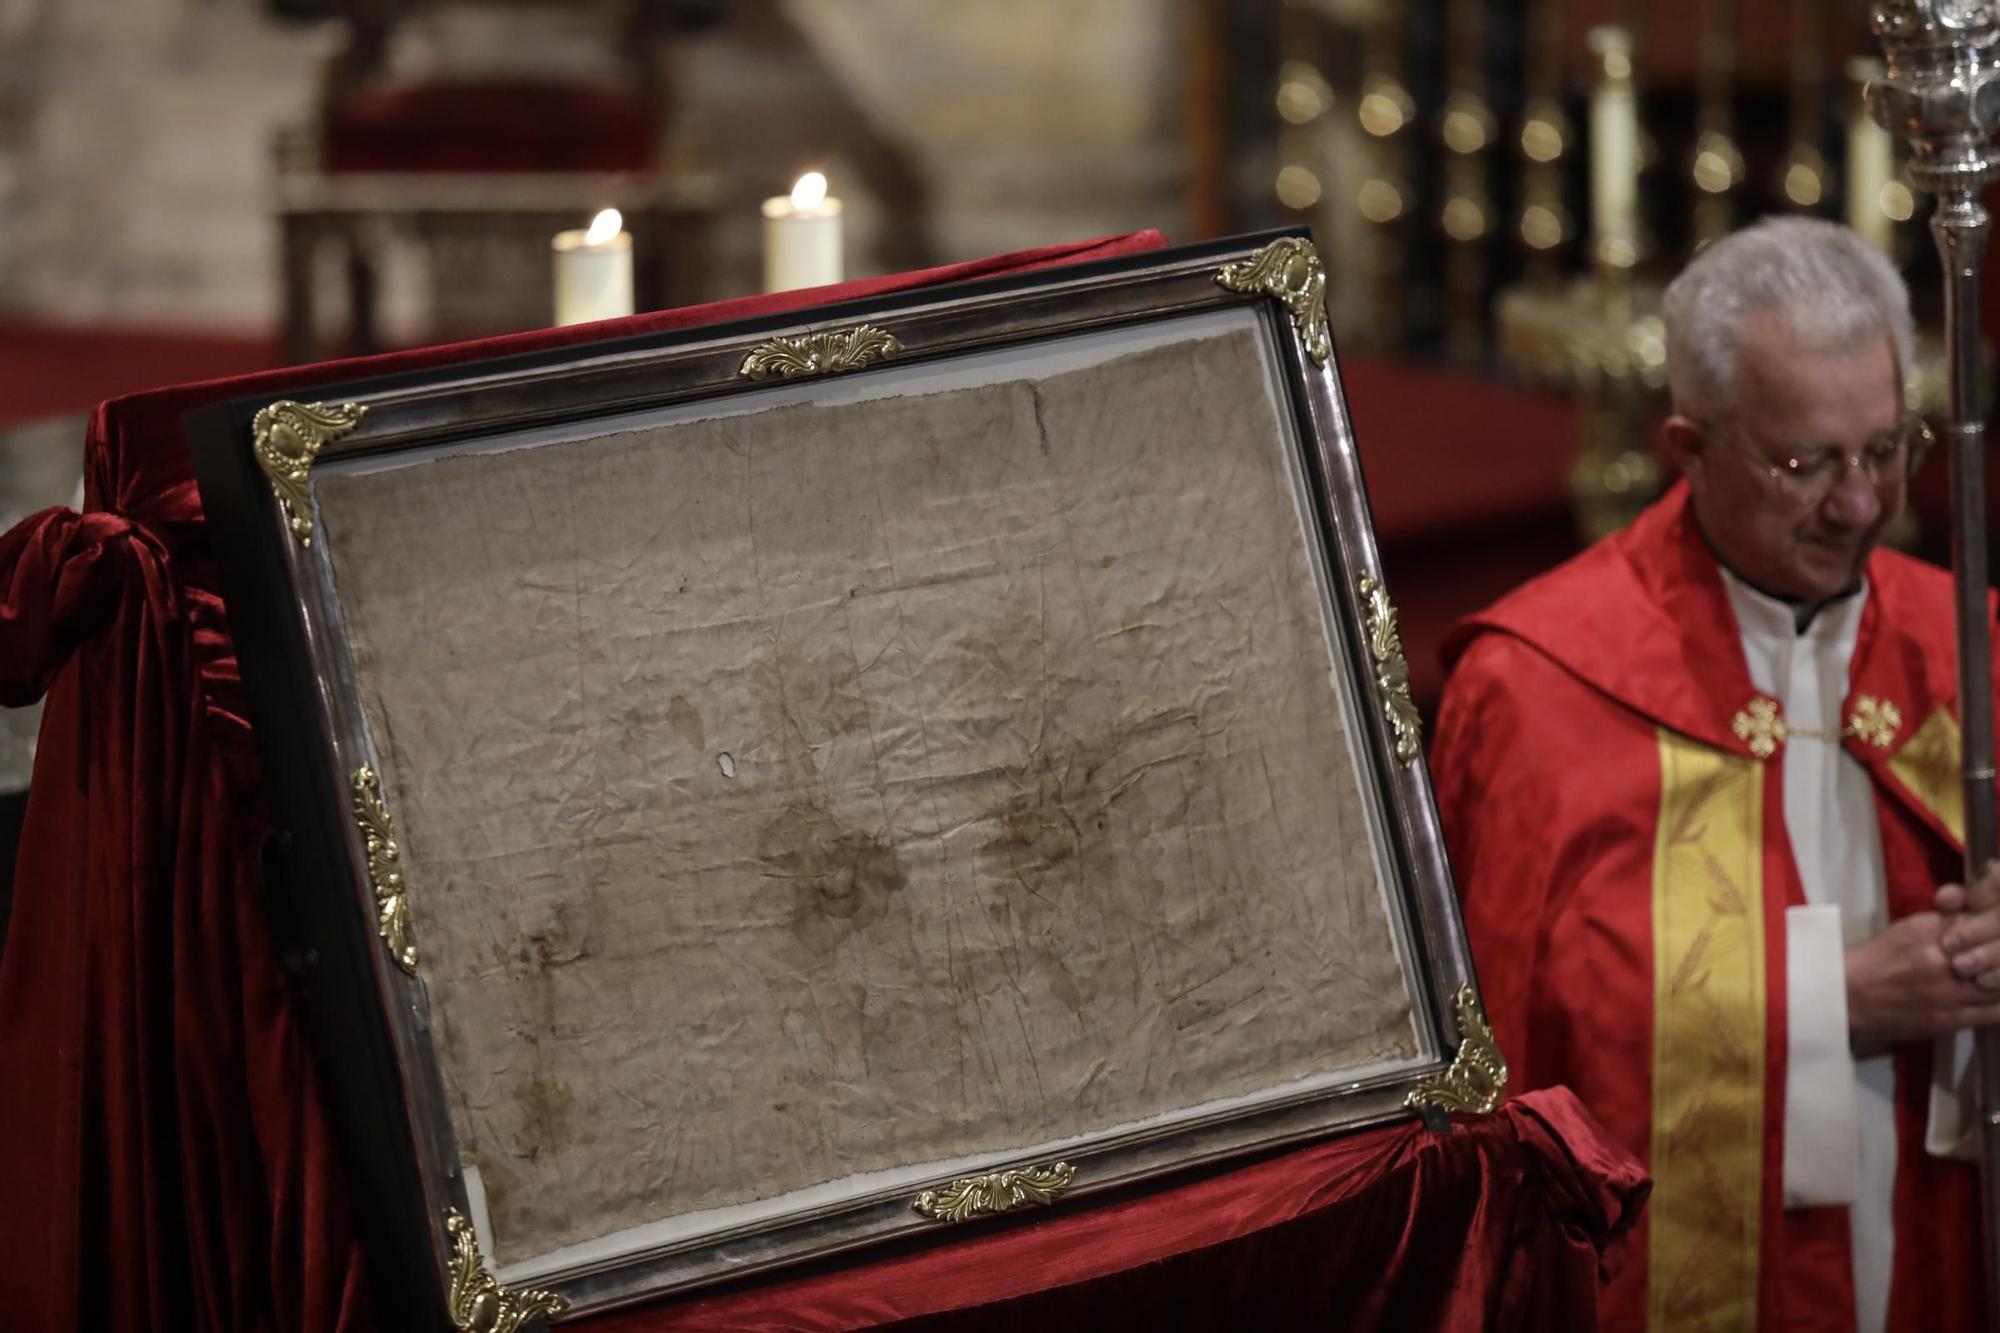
(594, 271)
(1871, 160)
(1614, 151)
(802, 237)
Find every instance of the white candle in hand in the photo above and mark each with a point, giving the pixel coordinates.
(802, 237)
(594, 271)
(1614, 151)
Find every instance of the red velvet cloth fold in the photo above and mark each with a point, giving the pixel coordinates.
(1501, 1225)
(164, 1154)
(165, 1159)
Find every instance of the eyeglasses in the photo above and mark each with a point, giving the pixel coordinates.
(1807, 476)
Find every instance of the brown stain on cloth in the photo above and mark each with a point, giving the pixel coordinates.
(842, 879)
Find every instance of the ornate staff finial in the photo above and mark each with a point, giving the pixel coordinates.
(1941, 92)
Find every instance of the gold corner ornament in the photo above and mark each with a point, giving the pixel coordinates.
(392, 903)
(286, 438)
(1392, 670)
(821, 353)
(1874, 721)
(478, 1303)
(998, 1192)
(1477, 1079)
(1289, 271)
(1759, 727)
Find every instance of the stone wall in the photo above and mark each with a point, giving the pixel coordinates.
(135, 134)
(133, 157)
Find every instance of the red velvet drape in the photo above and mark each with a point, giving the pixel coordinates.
(1502, 1225)
(165, 1160)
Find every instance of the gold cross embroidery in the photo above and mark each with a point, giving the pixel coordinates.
(1875, 721)
(1759, 727)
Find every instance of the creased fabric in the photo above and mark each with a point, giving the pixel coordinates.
(1505, 1224)
(974, 808)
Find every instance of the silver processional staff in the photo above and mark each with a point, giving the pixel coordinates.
(1941, 92)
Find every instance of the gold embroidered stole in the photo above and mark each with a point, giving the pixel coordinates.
(1927, 767)
(1708, 1039)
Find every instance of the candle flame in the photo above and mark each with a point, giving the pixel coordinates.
(604, 226)
(810, 192)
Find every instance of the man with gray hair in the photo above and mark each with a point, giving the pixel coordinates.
(1700, 787)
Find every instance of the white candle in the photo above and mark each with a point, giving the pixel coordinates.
(1614, 150)
(593, 271)
(1871, 160)
(802, 237)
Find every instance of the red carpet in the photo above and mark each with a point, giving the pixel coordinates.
(1453, 453)
(1468, 478)
(48, 371)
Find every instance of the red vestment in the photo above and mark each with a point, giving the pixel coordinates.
(1610, 787)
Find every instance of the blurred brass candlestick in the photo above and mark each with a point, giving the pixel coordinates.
(1386, 112)
(1803, 175)
(1468, 131)
(1601, 337)
(1718, 162)
(1941, 92)
(1304, 157)
(1544, 226)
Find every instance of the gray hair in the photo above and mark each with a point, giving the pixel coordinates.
(1836, 289)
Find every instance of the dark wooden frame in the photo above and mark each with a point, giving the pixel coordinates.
(372, 1018)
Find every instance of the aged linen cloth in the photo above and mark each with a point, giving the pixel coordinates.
(796, 795)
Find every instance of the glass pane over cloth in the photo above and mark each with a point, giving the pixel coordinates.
(846, 783)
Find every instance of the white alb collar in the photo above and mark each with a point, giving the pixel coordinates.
(1837, 624)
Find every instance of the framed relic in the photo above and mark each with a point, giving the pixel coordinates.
(757, 790)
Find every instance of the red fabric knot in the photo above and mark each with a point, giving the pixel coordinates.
(63, 576)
